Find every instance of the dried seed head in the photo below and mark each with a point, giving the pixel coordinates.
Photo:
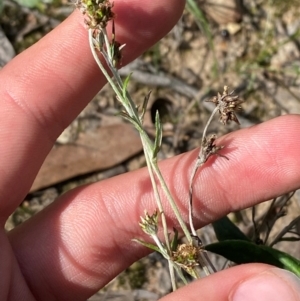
(149, 223)
(98, 12)
(228, 104)
(186, 256)
(208, 148)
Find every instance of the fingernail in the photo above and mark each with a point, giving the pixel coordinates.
(274, 284)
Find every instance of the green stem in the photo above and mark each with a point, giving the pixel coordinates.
(171, 201)
(172, 275)
(103, 70)
(157, 197)
(153, 169)
(146, 141)
(116, 73)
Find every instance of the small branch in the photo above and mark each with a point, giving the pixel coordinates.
(201, 159)
(285, 230)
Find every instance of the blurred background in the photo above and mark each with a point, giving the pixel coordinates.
(253, 46)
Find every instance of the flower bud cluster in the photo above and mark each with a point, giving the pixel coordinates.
(187, 257)
(149, 223)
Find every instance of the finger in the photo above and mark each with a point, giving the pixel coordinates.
(242, 283)
(44, 88)
(83, 240)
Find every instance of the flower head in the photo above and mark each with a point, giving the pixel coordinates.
(98, 12)
(149, 223)
(209, 148)
(187, 257)
(228, 104)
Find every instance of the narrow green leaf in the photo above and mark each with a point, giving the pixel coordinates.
(144, 106)
(147, 245)
(241, 251)
(174, 242)
(125, 85)
(225, 229)
(201, 21)
(203, 25)
(158, 136)
(130, 119)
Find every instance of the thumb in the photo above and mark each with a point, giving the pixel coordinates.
(274, 284)
(247, 282)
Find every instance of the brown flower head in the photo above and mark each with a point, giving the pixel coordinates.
(227, 104)
(186, 256)
(209, 148)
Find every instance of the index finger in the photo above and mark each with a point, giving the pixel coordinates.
(44, 88)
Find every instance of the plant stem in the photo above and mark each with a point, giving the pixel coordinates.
(132, 114)
(172, 202)
(157, 197)
(208, 123)
(198, 163)
(100, 65)
(146, 141)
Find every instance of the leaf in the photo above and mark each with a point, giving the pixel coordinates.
(225, 229)
(130, 119)
(158, 136)
(144, 106)
(147, 245)
(203, 25)
(241, 251)
(174, 242)
(29, 3)
(125, 85)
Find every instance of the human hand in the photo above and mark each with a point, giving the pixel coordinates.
(83, 240)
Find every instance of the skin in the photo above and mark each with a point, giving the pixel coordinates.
(81, 241)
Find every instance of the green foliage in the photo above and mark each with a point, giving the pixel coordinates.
(241, 251)
(203, 25)
(174, 241)
(125, 85)
(144, 106)
(201, 21)
(147, 245)
(236, 246)
(30, 3)
(158, 136)
(225, 229)
(136, 274)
